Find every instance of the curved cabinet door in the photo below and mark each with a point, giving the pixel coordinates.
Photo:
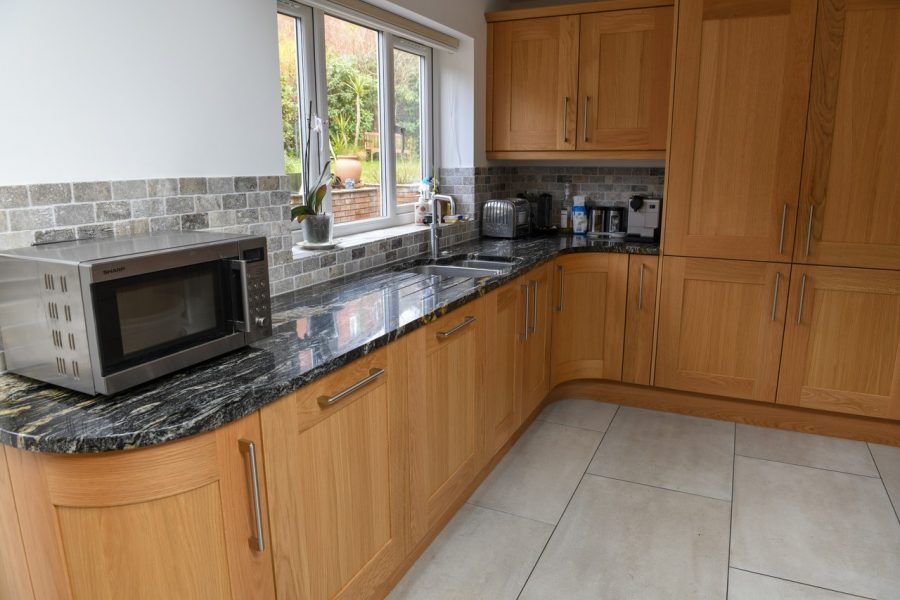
(588, 297)
(850, 199)
(336, 480)
(720, 326)
(171, 521)
(738, 121)
(842, 342)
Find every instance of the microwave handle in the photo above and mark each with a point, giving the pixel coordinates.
(239, 273)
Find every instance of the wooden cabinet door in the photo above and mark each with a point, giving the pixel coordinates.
(623, 79)
(536, 355)
(850, 206)
(532, 84)
(589, 318)
(640, 317)
(171, 521)
(720, 326)
(504, 328)
(741, 87)
(336, 480)
(445, 412)
(842, 341)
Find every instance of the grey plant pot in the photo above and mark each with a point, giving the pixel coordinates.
(317, 229)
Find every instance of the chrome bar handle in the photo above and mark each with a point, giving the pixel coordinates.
(443, 335)
(641, 288)
(809, 225)
(562, 274)
(525, 290)
(775, 298)
(534, 305)
(258, 541)
(374, 373)
(566, 121)
(802, 298)
(240, 268)
(784, 212)
(587, 99)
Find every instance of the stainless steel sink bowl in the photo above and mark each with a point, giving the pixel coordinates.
(455, 270)
(491, 265)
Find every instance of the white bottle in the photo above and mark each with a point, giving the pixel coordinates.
(579, 217)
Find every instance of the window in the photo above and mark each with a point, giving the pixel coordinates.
(372, 90)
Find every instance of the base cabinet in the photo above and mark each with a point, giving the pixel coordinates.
(640, 318)
(535, 362)
(172, 521)
(720, 326)
(336, 463)
(445, 412)
(842, 342)
(589, 317)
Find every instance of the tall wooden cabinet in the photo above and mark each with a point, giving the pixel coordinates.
(176, 520)
(850, 199)
(738, 121)
(336, 462)
(589, 317)
(720, 326)
(445, 412)
(589, 85)
(842, 341)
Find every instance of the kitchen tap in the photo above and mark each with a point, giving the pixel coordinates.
(436, 200)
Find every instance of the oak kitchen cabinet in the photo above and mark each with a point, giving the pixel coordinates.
(504, 334)
(640, 317)
(589, 320)
(842, 341)
(850, 197)
(594, 85)
(536, 346)
(177, 519)
(738, 120)
(336, 464)
(445, 412)
(720, 326)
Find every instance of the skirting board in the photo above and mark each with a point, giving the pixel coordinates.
(727, 409)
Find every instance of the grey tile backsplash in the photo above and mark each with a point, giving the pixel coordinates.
(260, 205)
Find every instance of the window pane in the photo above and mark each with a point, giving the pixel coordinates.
(351, 63)
(408, 69)
(291, 113)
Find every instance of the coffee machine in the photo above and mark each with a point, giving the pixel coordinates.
(644, 218)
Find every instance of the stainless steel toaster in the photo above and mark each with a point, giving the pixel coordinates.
(505, 218)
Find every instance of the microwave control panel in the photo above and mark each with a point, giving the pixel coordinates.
(259, 319)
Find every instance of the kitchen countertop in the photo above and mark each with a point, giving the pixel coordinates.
(315, 331)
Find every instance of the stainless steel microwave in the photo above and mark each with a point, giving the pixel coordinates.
(103, 315)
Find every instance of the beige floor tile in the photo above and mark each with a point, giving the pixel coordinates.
(888, 460)
(676, 452)
(797, 448)
(481, 553)
(588, 414)
(538, 475)
(822, 528)
(751, 586)
(625, 540)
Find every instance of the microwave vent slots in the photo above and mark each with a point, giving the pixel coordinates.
(57, 338)
(67, 310)
(53, 310)
(71, 341)
(75, 372)
(63, 286)
(49, 282)
(61, 366)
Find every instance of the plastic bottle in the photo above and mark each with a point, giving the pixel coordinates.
(565, 215)
(579, 217)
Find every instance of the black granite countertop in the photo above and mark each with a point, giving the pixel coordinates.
(316, 331)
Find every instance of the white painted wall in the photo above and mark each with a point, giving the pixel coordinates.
(105, 89)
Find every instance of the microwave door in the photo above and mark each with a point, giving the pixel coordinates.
(239, 294)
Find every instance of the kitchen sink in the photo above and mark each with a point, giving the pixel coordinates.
(454, 270)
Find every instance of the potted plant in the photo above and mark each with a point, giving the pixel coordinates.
(346, 160)
(317, 226)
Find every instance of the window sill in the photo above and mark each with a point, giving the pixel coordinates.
(347, 242)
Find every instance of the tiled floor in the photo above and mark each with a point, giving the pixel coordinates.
(598, 501)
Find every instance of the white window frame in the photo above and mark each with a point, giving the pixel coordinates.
(311, 53)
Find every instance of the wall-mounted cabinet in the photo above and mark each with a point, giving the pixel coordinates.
(575, 86)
